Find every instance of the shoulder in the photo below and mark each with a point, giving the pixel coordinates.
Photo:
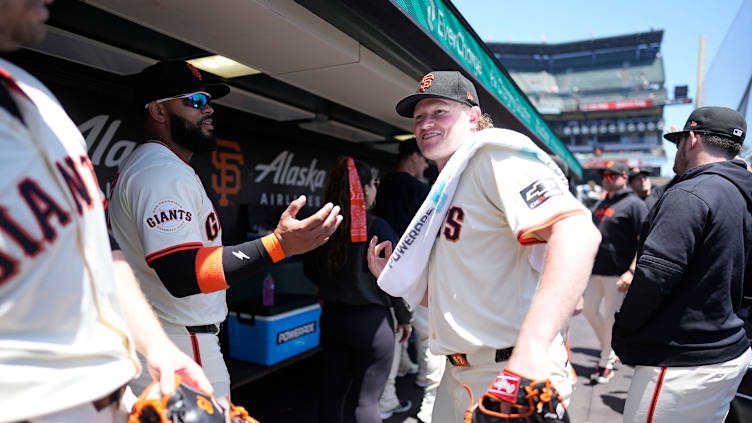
(151, 160)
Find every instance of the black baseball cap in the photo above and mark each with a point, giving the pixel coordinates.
(172, 78)
(636, 171)
(450, 85)
(713, 120)
(615, 167)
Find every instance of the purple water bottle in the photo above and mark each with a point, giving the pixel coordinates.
(267, 291)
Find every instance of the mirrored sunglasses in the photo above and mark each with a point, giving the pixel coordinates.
(198, 100)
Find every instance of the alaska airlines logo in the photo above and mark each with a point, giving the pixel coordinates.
(101, 148)
(286, 174)
(227, 180)
(168, 216)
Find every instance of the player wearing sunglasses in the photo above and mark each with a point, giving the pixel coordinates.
(169, 230)
(619, 218)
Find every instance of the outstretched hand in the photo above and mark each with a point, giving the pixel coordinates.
(300, 236)
(376, 263)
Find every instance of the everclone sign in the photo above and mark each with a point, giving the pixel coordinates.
(440, 22)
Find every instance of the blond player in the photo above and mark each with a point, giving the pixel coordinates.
(169, 230)
(70, 317)
(494, 301)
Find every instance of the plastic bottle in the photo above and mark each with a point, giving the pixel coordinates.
(267, 291)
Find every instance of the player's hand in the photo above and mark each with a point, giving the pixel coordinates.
(624, 281)
(165, 359)
(300, 236)
(376, 263)
(406, 331)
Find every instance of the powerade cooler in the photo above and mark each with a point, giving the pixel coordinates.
(268, 335)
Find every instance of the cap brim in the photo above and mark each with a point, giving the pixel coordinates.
(217, 90)
(675, 136)
(406, 106)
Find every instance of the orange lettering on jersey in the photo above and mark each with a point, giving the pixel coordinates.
(227, 180)
(204, 404)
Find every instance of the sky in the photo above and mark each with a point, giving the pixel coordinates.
(682, 22)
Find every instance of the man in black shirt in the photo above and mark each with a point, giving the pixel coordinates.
(618, 218)
(679, 324)
(639, 182)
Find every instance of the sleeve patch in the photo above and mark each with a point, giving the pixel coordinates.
(168, 216)
(539, 192)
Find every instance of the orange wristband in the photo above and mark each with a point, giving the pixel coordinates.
(210, 274)
(273, 247)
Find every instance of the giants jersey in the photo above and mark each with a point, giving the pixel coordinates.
(62, 339)
(483, 269)
(158, 206)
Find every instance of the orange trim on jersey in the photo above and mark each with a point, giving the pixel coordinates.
(196, 350)
(210, 274)
(656, 392)
(525, 236)
(273, 247)
(175, 248)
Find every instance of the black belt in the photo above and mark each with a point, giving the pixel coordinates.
(460, 359)
(202, 329)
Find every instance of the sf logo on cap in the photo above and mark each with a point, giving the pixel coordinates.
(426, 82)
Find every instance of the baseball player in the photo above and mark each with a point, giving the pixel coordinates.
(169, 230)
(70, 317)
(679, 324)
(495, 303)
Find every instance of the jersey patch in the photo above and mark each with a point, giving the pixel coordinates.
(168, 216)
(539, 192)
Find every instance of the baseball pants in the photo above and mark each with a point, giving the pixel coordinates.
(452, 399)
(389, 400)
(204, 349)
(85, 413)
(603, 288)
(684, 394)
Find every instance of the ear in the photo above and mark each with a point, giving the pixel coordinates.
(694, 139)
(475, 114)
(158, 112)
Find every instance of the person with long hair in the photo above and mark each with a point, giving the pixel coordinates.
(357, 330)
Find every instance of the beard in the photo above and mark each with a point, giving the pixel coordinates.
(190, 135)
(680, 161)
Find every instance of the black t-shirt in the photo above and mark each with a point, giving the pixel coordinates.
(399, 197)
(619, 220)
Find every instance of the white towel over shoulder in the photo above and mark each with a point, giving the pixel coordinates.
(403, 276)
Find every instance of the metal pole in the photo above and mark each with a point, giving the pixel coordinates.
(700, 66)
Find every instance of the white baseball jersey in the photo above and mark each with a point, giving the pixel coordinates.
(63, 341)
(159, 206)
(483, 270)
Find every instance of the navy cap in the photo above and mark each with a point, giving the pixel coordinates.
(713, 120)
(172, 78)
(637, 171)
(450, 85)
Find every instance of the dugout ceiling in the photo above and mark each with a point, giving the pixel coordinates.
(335, 67)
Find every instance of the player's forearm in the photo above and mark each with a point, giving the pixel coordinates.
(138, 314)
(572, 246)
(211, 269)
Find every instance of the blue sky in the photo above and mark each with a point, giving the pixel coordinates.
(571, 20)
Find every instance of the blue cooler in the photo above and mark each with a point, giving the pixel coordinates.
(268, 335)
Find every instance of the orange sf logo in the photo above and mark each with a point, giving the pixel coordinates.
(205, 404)
(693, 123)
(426, 82)
(195, 71)
(227, 180)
